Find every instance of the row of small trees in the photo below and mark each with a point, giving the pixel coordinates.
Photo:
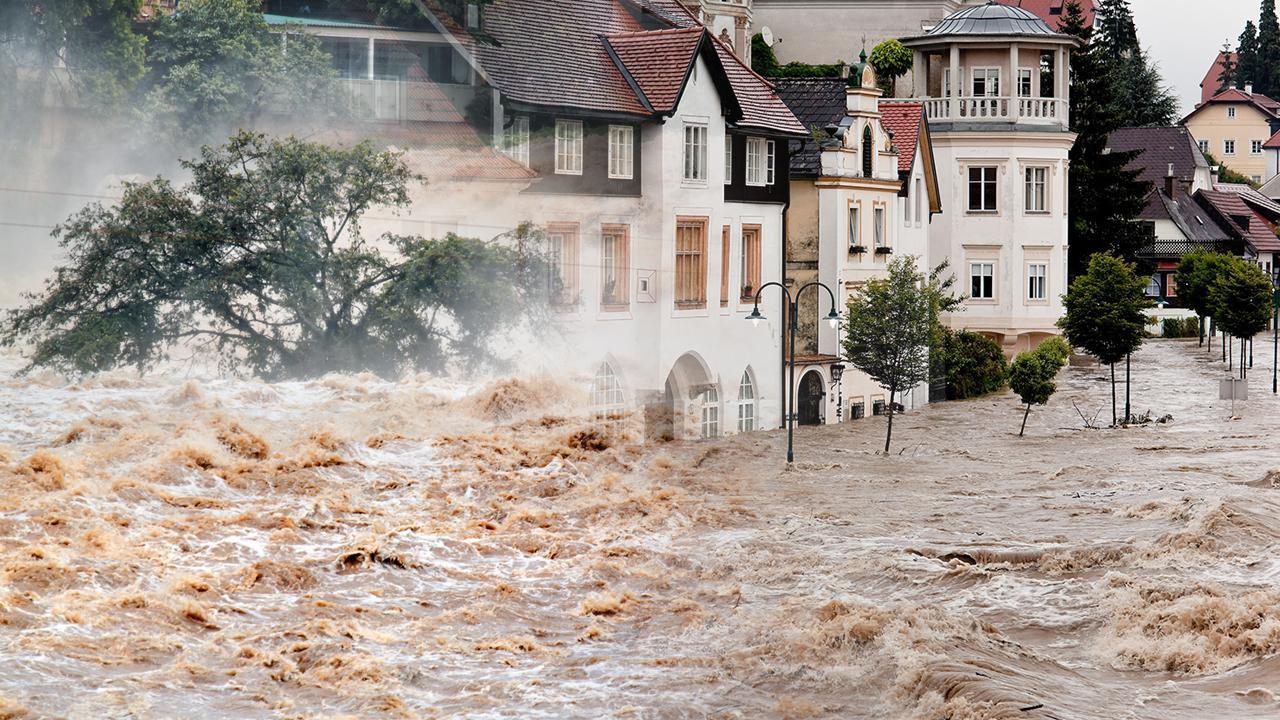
(1235, 293)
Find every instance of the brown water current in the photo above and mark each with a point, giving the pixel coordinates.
(350, 547)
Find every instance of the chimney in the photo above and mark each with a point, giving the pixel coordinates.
(1170, 182)
(1248, 88)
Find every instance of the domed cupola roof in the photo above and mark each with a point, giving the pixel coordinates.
(992, 19)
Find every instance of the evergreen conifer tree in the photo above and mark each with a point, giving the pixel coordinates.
(1230, 69)
(1117, 35)
(1268, 50)
(1247, 57)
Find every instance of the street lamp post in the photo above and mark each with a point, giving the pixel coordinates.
(1275, 327)
(837, 373)
(793, 314)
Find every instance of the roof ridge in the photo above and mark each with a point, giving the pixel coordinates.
(663, 31)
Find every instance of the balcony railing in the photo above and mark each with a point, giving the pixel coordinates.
(1049, 111)
(393, 99)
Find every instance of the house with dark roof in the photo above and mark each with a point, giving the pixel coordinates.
(1234, 125)
(864, 189)
(659, 170)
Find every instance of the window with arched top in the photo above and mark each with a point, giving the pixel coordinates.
(709, 400)
(607, 398)
(746, 403)
(867, 152)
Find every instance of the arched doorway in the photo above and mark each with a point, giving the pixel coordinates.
(690, 405)
(810, 399)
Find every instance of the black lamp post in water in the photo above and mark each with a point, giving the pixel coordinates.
(793, 313)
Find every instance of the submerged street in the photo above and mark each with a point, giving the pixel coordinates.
(176, 546)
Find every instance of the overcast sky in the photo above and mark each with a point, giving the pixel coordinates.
(1184, 35)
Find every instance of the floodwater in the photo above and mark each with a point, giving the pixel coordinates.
(349, 547)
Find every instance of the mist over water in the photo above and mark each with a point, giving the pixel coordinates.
(206, 547)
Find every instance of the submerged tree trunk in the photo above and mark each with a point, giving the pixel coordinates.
(888, 436)
(1025, 415)
(1200, 330)
(1113, 395)
(1127, 375)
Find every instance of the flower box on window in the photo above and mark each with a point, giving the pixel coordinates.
(883, 250)
(857, 249)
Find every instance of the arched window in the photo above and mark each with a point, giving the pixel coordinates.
(606, 393)
(746, 403)
(867, 152)
(710, 402)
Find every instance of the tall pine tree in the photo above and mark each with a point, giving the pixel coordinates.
(1268, 69)
(1117, 35)
(1247, 58)
(1142, 98)
(1104, 195)
(1229, 74)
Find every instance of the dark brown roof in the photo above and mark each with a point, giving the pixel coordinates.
(904, 119)
(761, 107)
(816, 103)
(1158, 147)
(1252, 226)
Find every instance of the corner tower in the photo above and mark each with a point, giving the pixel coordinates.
(994, 82)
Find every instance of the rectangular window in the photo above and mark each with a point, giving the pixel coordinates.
(982, 280)
(878, 228)
(568, 147)
(728, 159)
(982, 189)
(1037, 281)
(855, 235)
(691, 262)
(1037, 193)
(757, 162)
(695, 153)
(621, 149)
(1229, 147)
(562, 260)
(1255, 147)
(615, 271)
(986, 82)
(515, 140)
(1231, 112)
(770, 164)
(919, 199)
(750, 260)
(946, 81)
(724, 266)
(1204, 145)
(1024, 82)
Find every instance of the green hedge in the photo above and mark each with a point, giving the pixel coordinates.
(1180, 327)
(975, 364)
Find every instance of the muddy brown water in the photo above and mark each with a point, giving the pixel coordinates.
(356, 548)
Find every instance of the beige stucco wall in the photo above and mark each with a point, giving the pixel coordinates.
(1213, 124)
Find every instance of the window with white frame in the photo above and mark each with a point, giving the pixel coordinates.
(1037, 190)
(986, 82)
(1037, 281)
(728, 159)
(855, 233)
(1255, 147)
(568, 147)
(746, 403)
(878, 217)
(1231, 112)
(1204, 145)
(607, 399)
(515, 139)
(621, 152)
(1229, 147)
(770, 163)
(919, 195)
(695, 153)
(1024, 82)
(1153, 286)
(760, 162)
(982, 189)
(982, 279)
(709, 400)
(946, 81)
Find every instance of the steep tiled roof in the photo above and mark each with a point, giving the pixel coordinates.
(1273, 143)
(1160, 147)
(1050, 11)
(1253, 198)
(904, 119)
(761, 107)
(1268, 107)
(1187, 215)
(1213, 76)
(1252, 226)
(658, 61)
(816, 102)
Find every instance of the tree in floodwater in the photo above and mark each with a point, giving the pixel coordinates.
(1198, 272)
(888, 327)
(1241, 298)
(260, 258)
(1105, 313)
(1031, 374)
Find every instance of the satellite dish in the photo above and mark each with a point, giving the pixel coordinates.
(766, 33)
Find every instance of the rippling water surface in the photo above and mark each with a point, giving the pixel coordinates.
(177, 547)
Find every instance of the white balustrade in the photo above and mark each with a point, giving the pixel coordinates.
(1034, 110)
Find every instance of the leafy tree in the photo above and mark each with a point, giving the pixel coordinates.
(891, 60)
(975, 365)
(1226, 174)
(216, 66)
(1198, 272)
(1241, 301)
(1032, 373)
(765, 62)
(260, 257)
(1104, 313)
(1104, 193)
(887, 330)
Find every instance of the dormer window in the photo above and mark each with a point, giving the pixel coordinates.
(473, 15)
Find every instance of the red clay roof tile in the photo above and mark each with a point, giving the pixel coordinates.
(904, 120)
